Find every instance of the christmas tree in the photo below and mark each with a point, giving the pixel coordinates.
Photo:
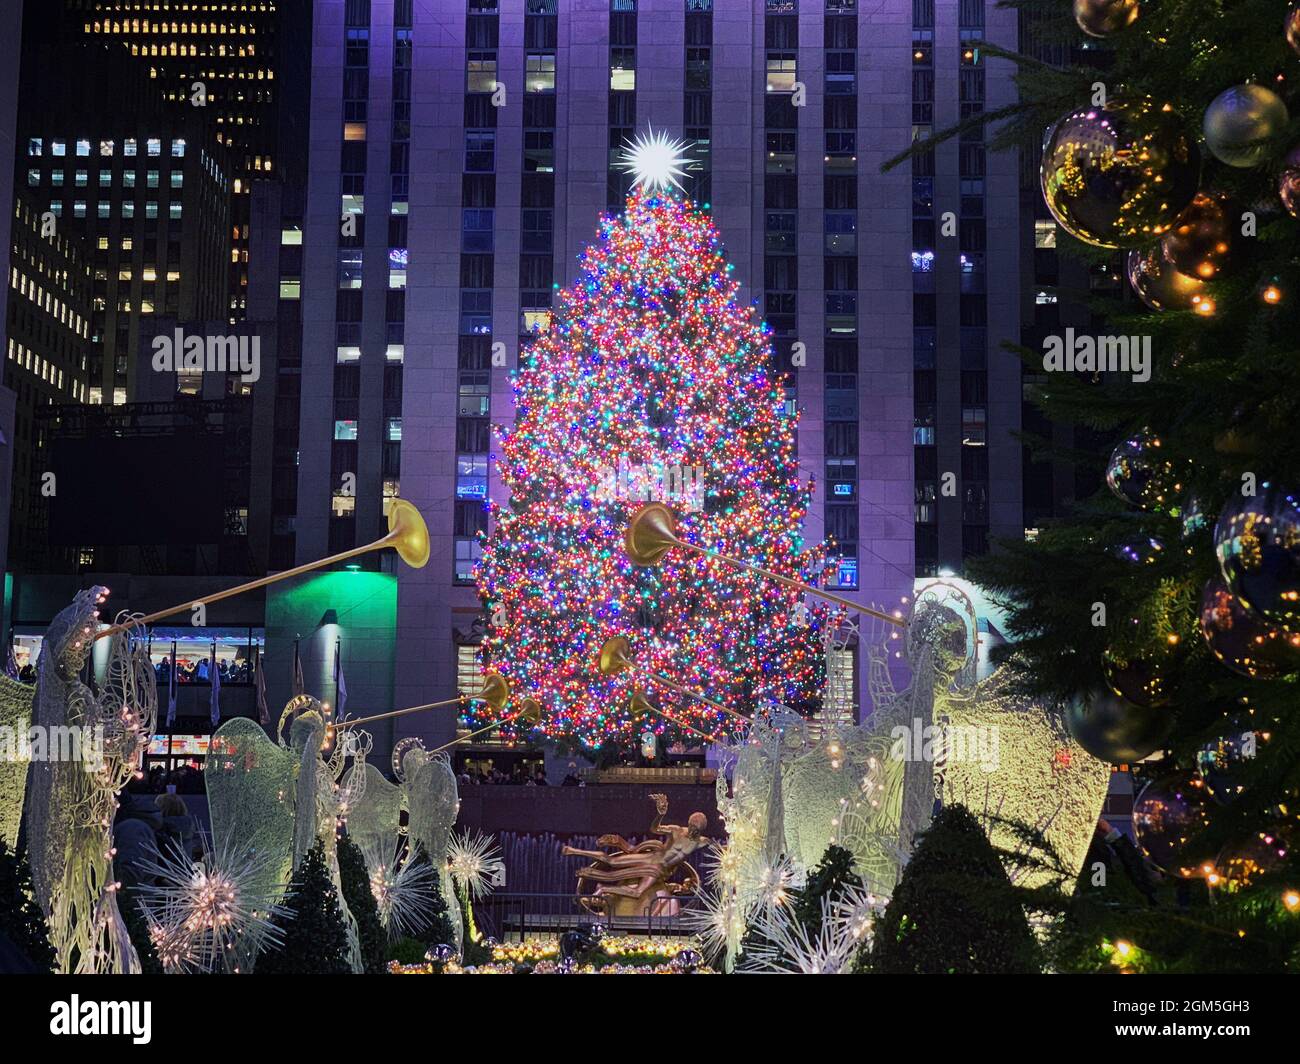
(651, 383)
(954, 910)
(315, 938)
(833, 873)
(21, 919)
(360, 900)
(1163, 612)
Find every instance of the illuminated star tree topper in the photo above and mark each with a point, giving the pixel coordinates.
(655, 161)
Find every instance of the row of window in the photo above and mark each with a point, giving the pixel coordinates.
(104, 209)
(82, 148)
(24, 356)
(81, 178)
(48, 301)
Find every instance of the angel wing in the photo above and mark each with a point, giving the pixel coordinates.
(433, 800)
(16, 715)
(251, 796)
(1007, 755)
(374, 821)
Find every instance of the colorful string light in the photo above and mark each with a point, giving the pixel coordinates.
(650, 365)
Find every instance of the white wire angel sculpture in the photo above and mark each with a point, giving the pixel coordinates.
(71, 800)
(397, 859)
(274, 800)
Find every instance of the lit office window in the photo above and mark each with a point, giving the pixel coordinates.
(539, 72)
(781, 71)
(471, 476)
(481, 72)
(622, 69)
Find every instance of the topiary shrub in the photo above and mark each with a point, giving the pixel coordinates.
(315, 938)
(360, 899)
(954, 910)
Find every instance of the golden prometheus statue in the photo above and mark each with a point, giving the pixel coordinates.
(644, 879)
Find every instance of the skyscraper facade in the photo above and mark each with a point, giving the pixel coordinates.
(220, 56)
(145, 186)
(461, 153)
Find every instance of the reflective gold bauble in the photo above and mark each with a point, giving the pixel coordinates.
(1159, 285)
(1114, 730)
(1288, 184)
(1120, 174)
(1102, 18)
(1168, 814)
(1140, 473)
(1239, 123)
(1200, 241)
(1136, 679)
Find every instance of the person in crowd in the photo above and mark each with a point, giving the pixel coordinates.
(27, 674)
(179, 829)
(135, 840)
(540, 778)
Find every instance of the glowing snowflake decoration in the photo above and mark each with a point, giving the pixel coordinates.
(784, 945)
(475, 864)
(403, 888)
(214, 914)
(767, 883)
(655, 161)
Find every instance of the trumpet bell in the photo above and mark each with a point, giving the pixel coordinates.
(614, 656)
(495, 692)
(407, 533)
(531, 711)
(640, 706)
(650, 535)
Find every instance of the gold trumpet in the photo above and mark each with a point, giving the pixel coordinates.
(652, 533)
(640, 706)
(530, 710)
(407, 534)
(495, 692)
(614, 659)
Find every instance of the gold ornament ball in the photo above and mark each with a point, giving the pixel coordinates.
(1159, 285)
(1102, 18)
(1118, 175)
(1200, 241)
(1240, 121)
(1288, 185)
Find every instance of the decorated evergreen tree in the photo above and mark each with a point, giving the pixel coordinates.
(441, 930)
(21, 919)
(827, 881)
(360, 900)
(137, 928)
(954, 910)
(651, 383)
(1162, 613)
(315, 938)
